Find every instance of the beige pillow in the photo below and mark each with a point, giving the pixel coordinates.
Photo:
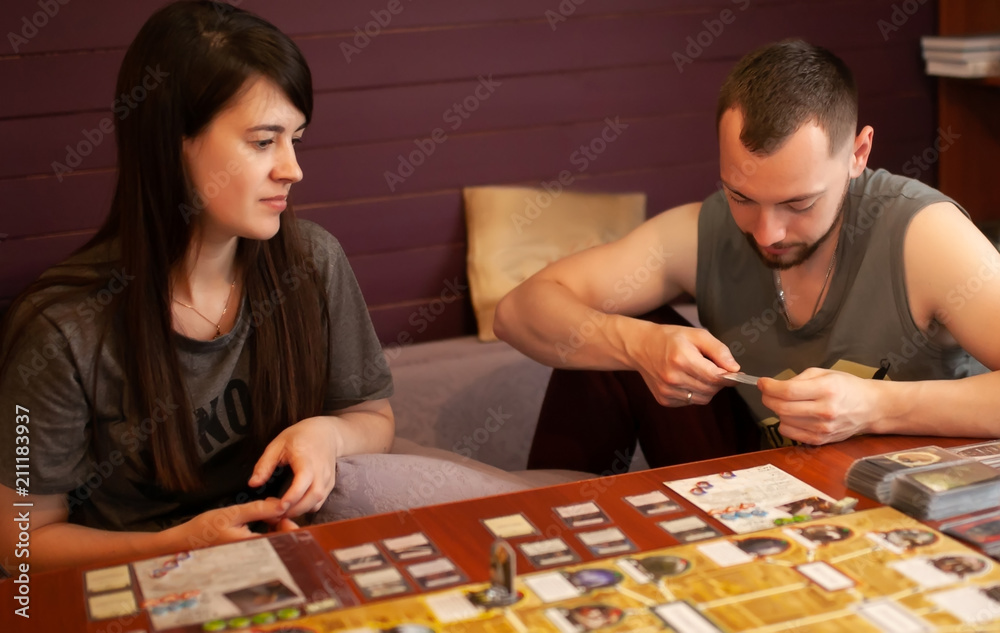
(514, 232)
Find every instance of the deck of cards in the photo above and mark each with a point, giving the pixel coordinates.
(872, 476)
(982, 530)
(946, 491)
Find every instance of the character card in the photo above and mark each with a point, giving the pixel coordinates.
(653, 503)
(553, 551)
(435, 574)
(410, 547)
(360, 558)
(381, 583)
(582, 515)
(689, 529)
(740, 377)
(606, 542)
(510, 526)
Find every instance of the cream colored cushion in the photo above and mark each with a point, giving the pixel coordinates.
(514, 232)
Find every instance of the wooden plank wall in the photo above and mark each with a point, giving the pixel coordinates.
(555, 84)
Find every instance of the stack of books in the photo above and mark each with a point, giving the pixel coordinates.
(971, 56)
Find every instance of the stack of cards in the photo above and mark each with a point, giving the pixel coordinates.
(946, 491)
(982, 530)
(872, 476)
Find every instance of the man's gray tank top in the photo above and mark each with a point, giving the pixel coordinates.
(865, 323)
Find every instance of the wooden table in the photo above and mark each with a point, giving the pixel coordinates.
(56, 598)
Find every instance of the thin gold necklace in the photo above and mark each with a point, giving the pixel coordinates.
(781, 292)
(217, 324)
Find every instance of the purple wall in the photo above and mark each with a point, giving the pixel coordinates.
(555, 82)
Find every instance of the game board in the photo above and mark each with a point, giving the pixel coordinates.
(870, 571)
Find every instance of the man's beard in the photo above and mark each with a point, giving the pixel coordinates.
(807, 251)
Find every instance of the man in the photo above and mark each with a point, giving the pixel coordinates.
(808, 269)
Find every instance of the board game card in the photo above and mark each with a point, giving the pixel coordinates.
(891, 617)
(725, 554)
(653, 503)
(510, 526)
(689, 529)
(410, 547)
(552, 587)
(826, 576)
(381, 583)
(740, 377)
(582, 515)
(985, 452)
(107, 579)
(751, 499)
(360, 557)
(553, 551)
(982, 530)
(435, 574)
(452, 607)
(588, 617)
(683, 618)
(605, 542)
(111, 605)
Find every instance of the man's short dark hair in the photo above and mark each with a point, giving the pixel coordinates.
(782, 86)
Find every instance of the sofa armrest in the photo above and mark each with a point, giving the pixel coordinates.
(480, 400)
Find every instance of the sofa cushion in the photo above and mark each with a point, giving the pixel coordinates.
(514, 232)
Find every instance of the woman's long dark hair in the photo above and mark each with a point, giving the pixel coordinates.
(203, 54)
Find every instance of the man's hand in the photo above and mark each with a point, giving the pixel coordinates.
(820, 406)
(311, 448)
(675, 360)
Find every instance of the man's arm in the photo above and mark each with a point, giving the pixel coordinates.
(952, 278)
(578, 312)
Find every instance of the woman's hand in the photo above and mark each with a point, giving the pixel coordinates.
(229, 524)
(311, 448)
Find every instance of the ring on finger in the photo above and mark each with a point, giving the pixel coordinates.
(689, 396)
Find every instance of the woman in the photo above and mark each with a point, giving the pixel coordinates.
(197, 367)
